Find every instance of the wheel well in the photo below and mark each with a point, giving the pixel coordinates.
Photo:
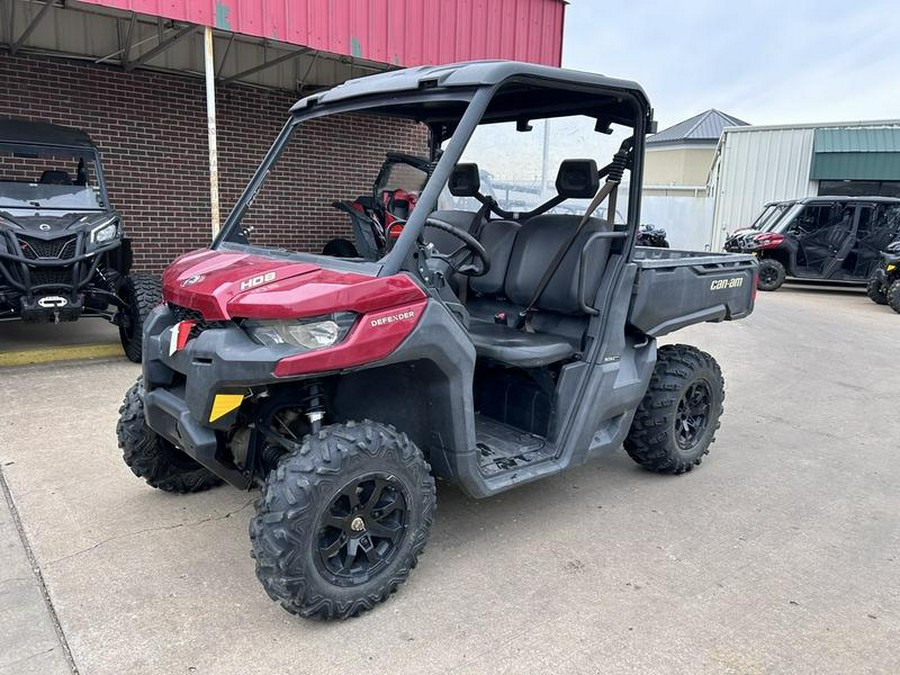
(780, 255)
(406, 395)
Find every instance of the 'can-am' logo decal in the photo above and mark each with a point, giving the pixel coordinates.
(253, 282)
(402, 316)
(722, 284)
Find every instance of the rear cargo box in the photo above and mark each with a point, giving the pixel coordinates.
(674, 289)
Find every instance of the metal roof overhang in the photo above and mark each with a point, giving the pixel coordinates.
(294, 45)
(132, 41)
(866, 153)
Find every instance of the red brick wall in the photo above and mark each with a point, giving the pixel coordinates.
(151, 129)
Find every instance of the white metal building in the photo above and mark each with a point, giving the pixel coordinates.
(754, 165)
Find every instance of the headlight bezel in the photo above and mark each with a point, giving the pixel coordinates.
(306, 334)
(111, 224)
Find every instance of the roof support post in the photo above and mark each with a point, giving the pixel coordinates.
(210, 67)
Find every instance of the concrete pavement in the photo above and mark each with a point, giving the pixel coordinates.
(781, 553)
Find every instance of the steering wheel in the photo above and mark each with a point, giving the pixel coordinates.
(470, 259)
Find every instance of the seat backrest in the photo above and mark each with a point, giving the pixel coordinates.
(498, 238)
(537, 244)
(55, 177)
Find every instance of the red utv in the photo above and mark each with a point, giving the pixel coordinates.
(488, 347)
(378, 219)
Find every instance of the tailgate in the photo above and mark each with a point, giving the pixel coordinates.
(674, 289)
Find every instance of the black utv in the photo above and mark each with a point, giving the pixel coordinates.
(832, 239)
(63, 254)
(884, 284)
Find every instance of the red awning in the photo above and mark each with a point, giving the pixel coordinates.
(401, 32)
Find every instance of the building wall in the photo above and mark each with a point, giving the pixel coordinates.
(756, 166)
(678, 165)
(151, 129)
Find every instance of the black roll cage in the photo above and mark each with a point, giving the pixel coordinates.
(458, 130)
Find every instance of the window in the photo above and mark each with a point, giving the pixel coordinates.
(860, 188)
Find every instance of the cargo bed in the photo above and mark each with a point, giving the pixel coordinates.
(674, 289)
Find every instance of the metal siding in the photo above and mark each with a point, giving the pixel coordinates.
(755, 167)
(871, 139)
(856, 166)
(404, 32)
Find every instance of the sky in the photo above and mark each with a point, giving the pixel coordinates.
(762, 61)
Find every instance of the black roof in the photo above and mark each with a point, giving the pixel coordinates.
(837, 198)
(14, 130)
(542, 89)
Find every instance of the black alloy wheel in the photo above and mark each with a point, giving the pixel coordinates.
(361, 531)
(692, 417)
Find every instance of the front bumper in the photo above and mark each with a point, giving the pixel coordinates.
(181, 387)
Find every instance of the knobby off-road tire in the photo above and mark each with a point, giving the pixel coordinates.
(340, 248)
(893, 296)
(876, 291)
(355, 482)
(677, 420)
(771, 275)
(152, 458)
(141, 293)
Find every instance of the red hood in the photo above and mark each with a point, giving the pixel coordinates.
(221, 285)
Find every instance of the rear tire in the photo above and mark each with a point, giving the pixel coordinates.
(340, 248)
(893, 296)
(677, 420)
(342, 521)
(152, 458)
(771, 275)
(141, 293)
(876, 291)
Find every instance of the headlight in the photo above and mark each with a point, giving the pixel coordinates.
(105, 232)
(313, 333)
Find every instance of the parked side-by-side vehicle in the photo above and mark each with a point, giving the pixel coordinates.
(884, 284)
(63, 253)
(829, 239)
(487, 348)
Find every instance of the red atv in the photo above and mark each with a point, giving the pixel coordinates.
(487, 347)
(378, 218)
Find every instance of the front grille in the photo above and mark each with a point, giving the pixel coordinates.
(50, 277)
(53, 249)
(200, 324)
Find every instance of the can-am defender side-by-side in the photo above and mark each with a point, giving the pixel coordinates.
(484, 351)
(825, 239)
(884, 284)
(63, 254)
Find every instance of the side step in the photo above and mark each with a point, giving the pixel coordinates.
(503, 448)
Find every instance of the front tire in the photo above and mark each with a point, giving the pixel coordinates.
(677, 420)
(876, 291)
(771, 275)
(342, 521)
(141, 293)
(153, 458)
(893, 296)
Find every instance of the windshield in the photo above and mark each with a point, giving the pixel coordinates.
(306, 202)
(51, 179)
(770, 216)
